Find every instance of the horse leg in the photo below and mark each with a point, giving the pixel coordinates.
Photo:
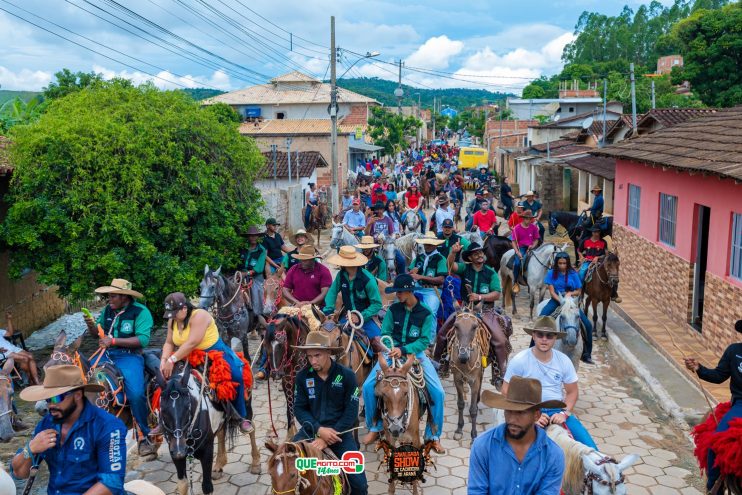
(391, 489)
(221, 453)
(476, 388)
(459, 382)
(255, 454)
(180, 469)
(207, 459)
(606, 303)
(594, 304)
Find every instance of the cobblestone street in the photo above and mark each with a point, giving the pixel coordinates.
(620, 414)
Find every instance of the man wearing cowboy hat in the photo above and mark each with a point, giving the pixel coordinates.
(326, 403)
(555, 371)
(308, 281)
(379, 224)
(443, 211)
(729, 367)
(516, 456)
(480, 284)
(429, 270)
(376, 264)
(533, 204)
(254, 267)
(83, 445)
(596, 209)
(299, 239)
(358, 290)
(405, 322)
(127, 325)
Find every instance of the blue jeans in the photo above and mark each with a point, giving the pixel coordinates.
(277, 261)
(369, 327)
(583, 270)
(433, 384)
(257, 293)
(516, 264)
(400, 262)
(587, 349)
(235, 366)
(423, 219)
(430, 300)
(131, 366)
(713, 472)
(578, 431)
(357, 482)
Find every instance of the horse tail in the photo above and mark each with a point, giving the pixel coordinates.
(507, 288)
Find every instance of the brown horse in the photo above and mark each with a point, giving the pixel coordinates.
(599, 287)
(425, 191)
(287, 479)
(284, 361)
(318, 217)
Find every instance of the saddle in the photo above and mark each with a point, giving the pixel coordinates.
(108, 373)
(520, 279)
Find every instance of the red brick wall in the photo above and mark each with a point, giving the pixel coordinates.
(357, 116)
(722, 303)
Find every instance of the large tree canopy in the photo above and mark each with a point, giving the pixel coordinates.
(390, 130)
(136, 183)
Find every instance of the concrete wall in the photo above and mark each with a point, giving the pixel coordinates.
(297, 111)
(285, 205)
(550, 184)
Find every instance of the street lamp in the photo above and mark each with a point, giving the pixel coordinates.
(368, 55)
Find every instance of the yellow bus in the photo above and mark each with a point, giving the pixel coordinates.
(472, 158)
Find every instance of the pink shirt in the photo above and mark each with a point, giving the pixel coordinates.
(305, 286)
(525, 236)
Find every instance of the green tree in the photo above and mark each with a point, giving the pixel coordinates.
(533, 91)
(18, 112)
(712, 54)
(390, 130)
(69, 82)
(131, 182)
(224, 113)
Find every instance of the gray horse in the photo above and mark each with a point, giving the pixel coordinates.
(539, 264)
(568, 321)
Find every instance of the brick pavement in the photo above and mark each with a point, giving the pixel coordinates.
(620, 414)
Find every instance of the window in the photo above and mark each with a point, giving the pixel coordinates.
(635, 195)
(571, 109)
(280, 115)
(735, 261)
(668, 218)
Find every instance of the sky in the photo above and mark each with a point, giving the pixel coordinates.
(230, 44)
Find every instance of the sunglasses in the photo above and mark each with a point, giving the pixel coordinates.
(57, 398)
(547, 336)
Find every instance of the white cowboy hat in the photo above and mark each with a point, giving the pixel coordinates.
(429, 238)
(119, 286)
(310, 239)
(348, 256)
(367, 242)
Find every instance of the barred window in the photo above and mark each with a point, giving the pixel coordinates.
(735, 260)
(668, 218)
(635, 194)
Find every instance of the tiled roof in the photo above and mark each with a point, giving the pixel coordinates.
(711, 143)
(5, 165)
(294, 127)
(574, 149)
(294, 76)
(553, 145)
(601, 166)
(308, 161)
(668, 117)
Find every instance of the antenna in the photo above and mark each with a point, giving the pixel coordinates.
(556, 119)
(587, 123)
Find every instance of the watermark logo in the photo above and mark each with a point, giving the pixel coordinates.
(352, 462)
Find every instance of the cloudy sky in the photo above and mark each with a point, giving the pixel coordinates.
(228, 44)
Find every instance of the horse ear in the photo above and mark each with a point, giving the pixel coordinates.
(76, 344)
(61, 340)
(271, 446)
(383, 364)
(589, 464)
(206, 270)
(186, 374)
(627, 461)
(335, 317)
(408, 364)
(261, 321)
(218, 271)
(318, 314)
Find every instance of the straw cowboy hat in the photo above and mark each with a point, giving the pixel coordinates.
(310, 239)
(529, 193)
(596, 187)
(523, 394)
(141, 487)
(119, 286)
(58, 380)
(305, 253)
(430, 239)
(367, 242)
(545, 324)
(318, 340)
(348, 256)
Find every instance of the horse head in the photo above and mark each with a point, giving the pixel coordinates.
(178, 405)
(396, 396)
(465, 327)
(606, 475)
(553, 223)
(278, 337)
(612, 265)
(390, 249)
(208, 287)
(6, 401)
(272, 290)
(285, 477)
(337, 235)
(569, 320)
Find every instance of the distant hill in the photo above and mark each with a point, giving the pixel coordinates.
(6, 95)
(383, 91)
(199, 94)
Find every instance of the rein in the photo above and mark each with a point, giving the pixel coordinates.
(480, 342)
(592, 477)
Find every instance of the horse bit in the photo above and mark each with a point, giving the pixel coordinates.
(590, 477)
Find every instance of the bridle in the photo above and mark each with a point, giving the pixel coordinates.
(591, 477)
(612, 279)
(302, 483)
(402, 422)
(190, 434)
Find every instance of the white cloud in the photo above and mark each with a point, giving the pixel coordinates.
(167, 80)
(24, 79)
(436, 53)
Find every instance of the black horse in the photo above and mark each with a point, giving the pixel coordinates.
(576, 225)
(494, 247)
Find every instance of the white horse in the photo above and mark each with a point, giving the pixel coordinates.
(475, 236)
(341, 236)
(407, 245)
(588, 469)
(7, 487)
(541, 260)
(412, 222)
(568, 321)
(401, 182)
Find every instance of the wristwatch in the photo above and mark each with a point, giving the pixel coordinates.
(566, 413)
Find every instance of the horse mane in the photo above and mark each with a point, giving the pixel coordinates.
(573, 480)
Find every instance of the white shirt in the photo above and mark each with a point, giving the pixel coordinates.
(552, 375)
(5, 344)
(440, 215)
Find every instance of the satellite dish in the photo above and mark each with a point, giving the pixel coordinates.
(587, 123)
(556, 118)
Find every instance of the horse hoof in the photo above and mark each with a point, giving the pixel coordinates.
(457, 435)
(604, 336)
(255, 469)
(217, 475)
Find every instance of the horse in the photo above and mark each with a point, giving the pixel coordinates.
(341, 237)
(389, 253)
(586, 469)
(425, 190)
(541, 259)
(287, 478)
(468, 344)
(318, 216)
(474, 236)
(7, 485)
(6, 409)
(233, 315)
(412, 222)
(495, 247)
(273, 293)
(407, 245)
(598, 287)
(568, 321)
(284, 361)
(574, 225)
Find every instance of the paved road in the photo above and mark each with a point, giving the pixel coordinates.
(620, 414)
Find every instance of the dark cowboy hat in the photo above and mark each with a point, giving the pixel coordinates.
(593, 228)
(317, 340)
(379, 205)
(253, 230)
(402, 283)
(473, 248)
(58, 380)
(545, 324)
(523, 394)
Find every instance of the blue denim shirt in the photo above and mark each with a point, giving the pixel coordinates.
(94, 451)
(494, 469)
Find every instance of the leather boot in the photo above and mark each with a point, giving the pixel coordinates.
(376, 345)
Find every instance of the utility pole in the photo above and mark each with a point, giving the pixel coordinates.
(399, 92)
(288, 155)
(633, 99)
(298, 178)
(433, 117)
(333, 117)
(605, 104)
(275, 165)
(654, 105)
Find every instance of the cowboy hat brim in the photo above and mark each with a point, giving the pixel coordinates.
(337, 260)
(317, 347)
(392, 290)
(432, 242)
(499, 401)
(305, 257)
(107, 289)
(558, 334)
(367, 246)
(310, 239)
(39, 392)
(466, 255)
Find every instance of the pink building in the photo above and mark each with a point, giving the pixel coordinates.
(678, 222)
(665, 64)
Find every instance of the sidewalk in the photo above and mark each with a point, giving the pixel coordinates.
(672, 340)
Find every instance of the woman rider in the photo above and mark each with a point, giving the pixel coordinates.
(254, 267)
(364, 192)
(413, 201)
(376, 264)
(188, 329)
(310, 200)
(565, 281)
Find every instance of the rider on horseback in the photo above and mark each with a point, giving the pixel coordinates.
(480, 284)
(536, 208)
(127, 325)
(405, 323)
(299, 239)
(354, 219)
(429, 271)
(590, 251)
(596, 209)
(413, 204)
(449, 238)
(254, 267)
(444, 211)
(376, 264)
(525, 238)
(730, 366)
